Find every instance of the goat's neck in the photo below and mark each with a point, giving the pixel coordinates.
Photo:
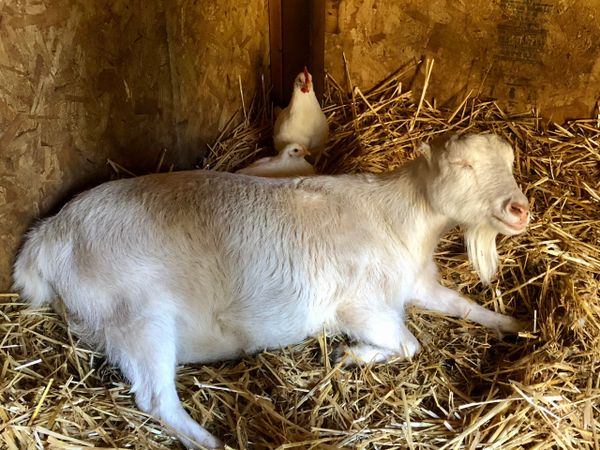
(408, 211)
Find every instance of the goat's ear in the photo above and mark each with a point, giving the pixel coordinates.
(425, 150)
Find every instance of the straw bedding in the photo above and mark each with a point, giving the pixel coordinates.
(465, 390)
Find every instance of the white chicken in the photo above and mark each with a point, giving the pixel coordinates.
(302, 121)
(289, 162)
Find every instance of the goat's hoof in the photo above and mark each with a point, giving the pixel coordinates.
(207, 442)
(410, 348)
(340, 355)
(360, 354)
(509, 325)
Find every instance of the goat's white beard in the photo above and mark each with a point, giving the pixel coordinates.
(481, 248)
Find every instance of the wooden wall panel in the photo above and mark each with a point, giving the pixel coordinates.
(80, 81)
(526, 53)
(214, 45)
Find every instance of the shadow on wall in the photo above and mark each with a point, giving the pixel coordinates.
(80, 82)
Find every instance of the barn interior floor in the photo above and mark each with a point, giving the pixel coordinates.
(466, 389)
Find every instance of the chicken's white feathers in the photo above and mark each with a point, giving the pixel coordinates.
(289, 162)
(302, 121)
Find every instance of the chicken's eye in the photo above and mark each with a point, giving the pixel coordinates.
(295, 150)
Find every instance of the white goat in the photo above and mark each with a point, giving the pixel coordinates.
(203, 266)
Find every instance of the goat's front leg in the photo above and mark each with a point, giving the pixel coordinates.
(435, 297)
(380, 332)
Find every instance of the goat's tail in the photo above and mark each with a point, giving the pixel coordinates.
(30, 274)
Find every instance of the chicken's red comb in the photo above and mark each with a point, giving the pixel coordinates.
(306, 74)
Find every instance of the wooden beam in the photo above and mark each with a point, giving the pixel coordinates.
(297, 37)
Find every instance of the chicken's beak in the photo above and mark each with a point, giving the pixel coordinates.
(306, 85)
(304, 152)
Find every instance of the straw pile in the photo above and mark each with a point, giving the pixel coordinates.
(465, 390)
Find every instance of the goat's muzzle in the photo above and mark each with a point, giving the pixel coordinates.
(515, 213)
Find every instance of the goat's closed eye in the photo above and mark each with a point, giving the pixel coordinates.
(461, 163)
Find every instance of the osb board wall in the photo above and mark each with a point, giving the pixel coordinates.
(542, 53)
(214, 47)
(82, 81)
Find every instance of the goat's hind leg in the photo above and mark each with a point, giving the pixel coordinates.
(436, 297)
(144, 348)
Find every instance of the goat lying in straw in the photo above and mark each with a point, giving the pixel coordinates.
(203, 266)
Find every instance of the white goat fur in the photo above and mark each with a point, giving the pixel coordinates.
(203, 266)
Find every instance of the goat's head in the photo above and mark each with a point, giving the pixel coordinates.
(473, 185)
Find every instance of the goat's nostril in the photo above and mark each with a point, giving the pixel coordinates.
(518, 210)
